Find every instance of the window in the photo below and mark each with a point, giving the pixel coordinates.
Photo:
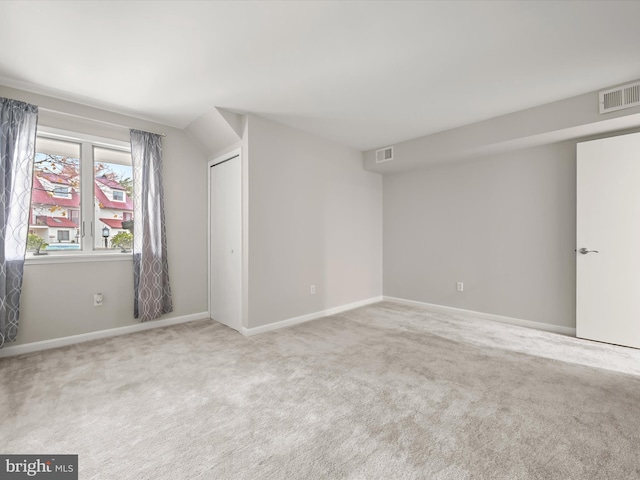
(113, 193)
(81, 185)
(62, 192)
(74, 215)
(55, 190)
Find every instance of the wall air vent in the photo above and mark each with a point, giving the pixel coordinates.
(618, 98)
(384, 154)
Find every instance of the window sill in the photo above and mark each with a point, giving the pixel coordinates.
(78, 258)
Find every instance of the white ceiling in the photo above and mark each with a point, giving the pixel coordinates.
(363, 73)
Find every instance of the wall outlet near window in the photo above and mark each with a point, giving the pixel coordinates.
(313, 289)
(460, 287)
(97, 300)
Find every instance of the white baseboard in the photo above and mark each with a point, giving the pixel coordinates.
(10, 351)
(112, 332)
(547, 327)
(306, 318)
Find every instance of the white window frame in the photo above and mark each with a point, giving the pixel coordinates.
(68, 236)
(70, 215)
(124, 196)
(57, 188)
(88, 253)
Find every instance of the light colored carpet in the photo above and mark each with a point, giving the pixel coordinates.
(382, 392)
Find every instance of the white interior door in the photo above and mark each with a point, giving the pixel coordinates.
(608, 220)
(225, 242)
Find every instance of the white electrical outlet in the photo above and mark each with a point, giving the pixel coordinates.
(460, 286)
(313, 289)
(97, 300)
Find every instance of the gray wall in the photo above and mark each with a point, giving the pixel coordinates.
(315, 217)
(502, 224)
(492, 204)
(57, 298)
(564, 120)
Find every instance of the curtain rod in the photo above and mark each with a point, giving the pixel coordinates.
(94, 120)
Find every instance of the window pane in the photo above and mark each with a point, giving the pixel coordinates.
(113, 198)
(62, 192)
(55, 199)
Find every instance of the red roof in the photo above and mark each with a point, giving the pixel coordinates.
(60, 222)
(106, 203)
(55, 178)
(42, 197)
(112, 222)
(110, 183)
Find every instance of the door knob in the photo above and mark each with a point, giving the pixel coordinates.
(584, 251)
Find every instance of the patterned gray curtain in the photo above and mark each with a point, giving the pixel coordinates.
(150, 266)
(18, 123)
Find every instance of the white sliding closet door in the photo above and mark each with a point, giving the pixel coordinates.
(225, 242)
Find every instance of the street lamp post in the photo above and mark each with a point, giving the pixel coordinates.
(105, 234)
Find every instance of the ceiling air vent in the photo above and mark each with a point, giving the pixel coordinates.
(618, 98)
(384, 154)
